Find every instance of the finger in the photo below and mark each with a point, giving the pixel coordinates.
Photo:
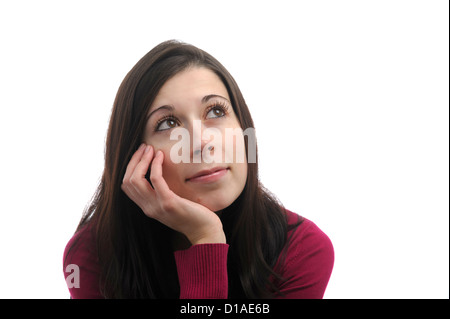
(135, 159)
(142, 167)
(137, 179)
(156, 177)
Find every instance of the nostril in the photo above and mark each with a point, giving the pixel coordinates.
(198, 152)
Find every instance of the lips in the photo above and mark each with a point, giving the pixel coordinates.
(208, 175)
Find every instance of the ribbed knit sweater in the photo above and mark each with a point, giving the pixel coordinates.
(202, 269)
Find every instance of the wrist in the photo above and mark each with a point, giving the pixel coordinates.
(216, 237)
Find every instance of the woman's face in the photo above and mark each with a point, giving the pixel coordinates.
(195, 102)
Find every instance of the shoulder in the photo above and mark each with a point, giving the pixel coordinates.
(81, 247)
(307, 237)
(80, 265)
(307, 261)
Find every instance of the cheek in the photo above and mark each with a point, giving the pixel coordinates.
(171, 171)
(241, 176)
(161, 144)
(174, 177)
(234, 146)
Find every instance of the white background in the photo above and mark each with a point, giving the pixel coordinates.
(350, 101)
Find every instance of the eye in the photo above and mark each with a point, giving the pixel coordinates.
(216, 111)
(166, 123)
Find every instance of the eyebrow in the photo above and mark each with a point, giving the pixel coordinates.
(164, 107)
(211, 96)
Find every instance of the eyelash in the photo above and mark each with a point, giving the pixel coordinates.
(220, 105)
(170, 116)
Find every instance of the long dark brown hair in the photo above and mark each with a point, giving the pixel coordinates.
(135, 251)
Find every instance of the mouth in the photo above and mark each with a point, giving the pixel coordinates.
(208, 176)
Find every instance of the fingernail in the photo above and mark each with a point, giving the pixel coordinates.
(142, 146)
(147, 149)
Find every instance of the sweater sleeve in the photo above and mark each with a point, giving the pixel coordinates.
(202, 271)
(308, 264)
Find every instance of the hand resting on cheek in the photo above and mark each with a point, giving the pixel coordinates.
(198, 223)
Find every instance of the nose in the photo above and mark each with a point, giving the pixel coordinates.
(198, 151)
(200, 142)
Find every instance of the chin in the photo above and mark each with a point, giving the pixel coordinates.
(214, 199)
(215, 206)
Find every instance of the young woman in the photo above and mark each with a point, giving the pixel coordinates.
(159, 227)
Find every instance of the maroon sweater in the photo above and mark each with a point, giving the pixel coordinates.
(202, 269)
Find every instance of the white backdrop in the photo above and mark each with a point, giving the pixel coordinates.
(350, 101)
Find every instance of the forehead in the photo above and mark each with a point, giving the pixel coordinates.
(190, 85)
